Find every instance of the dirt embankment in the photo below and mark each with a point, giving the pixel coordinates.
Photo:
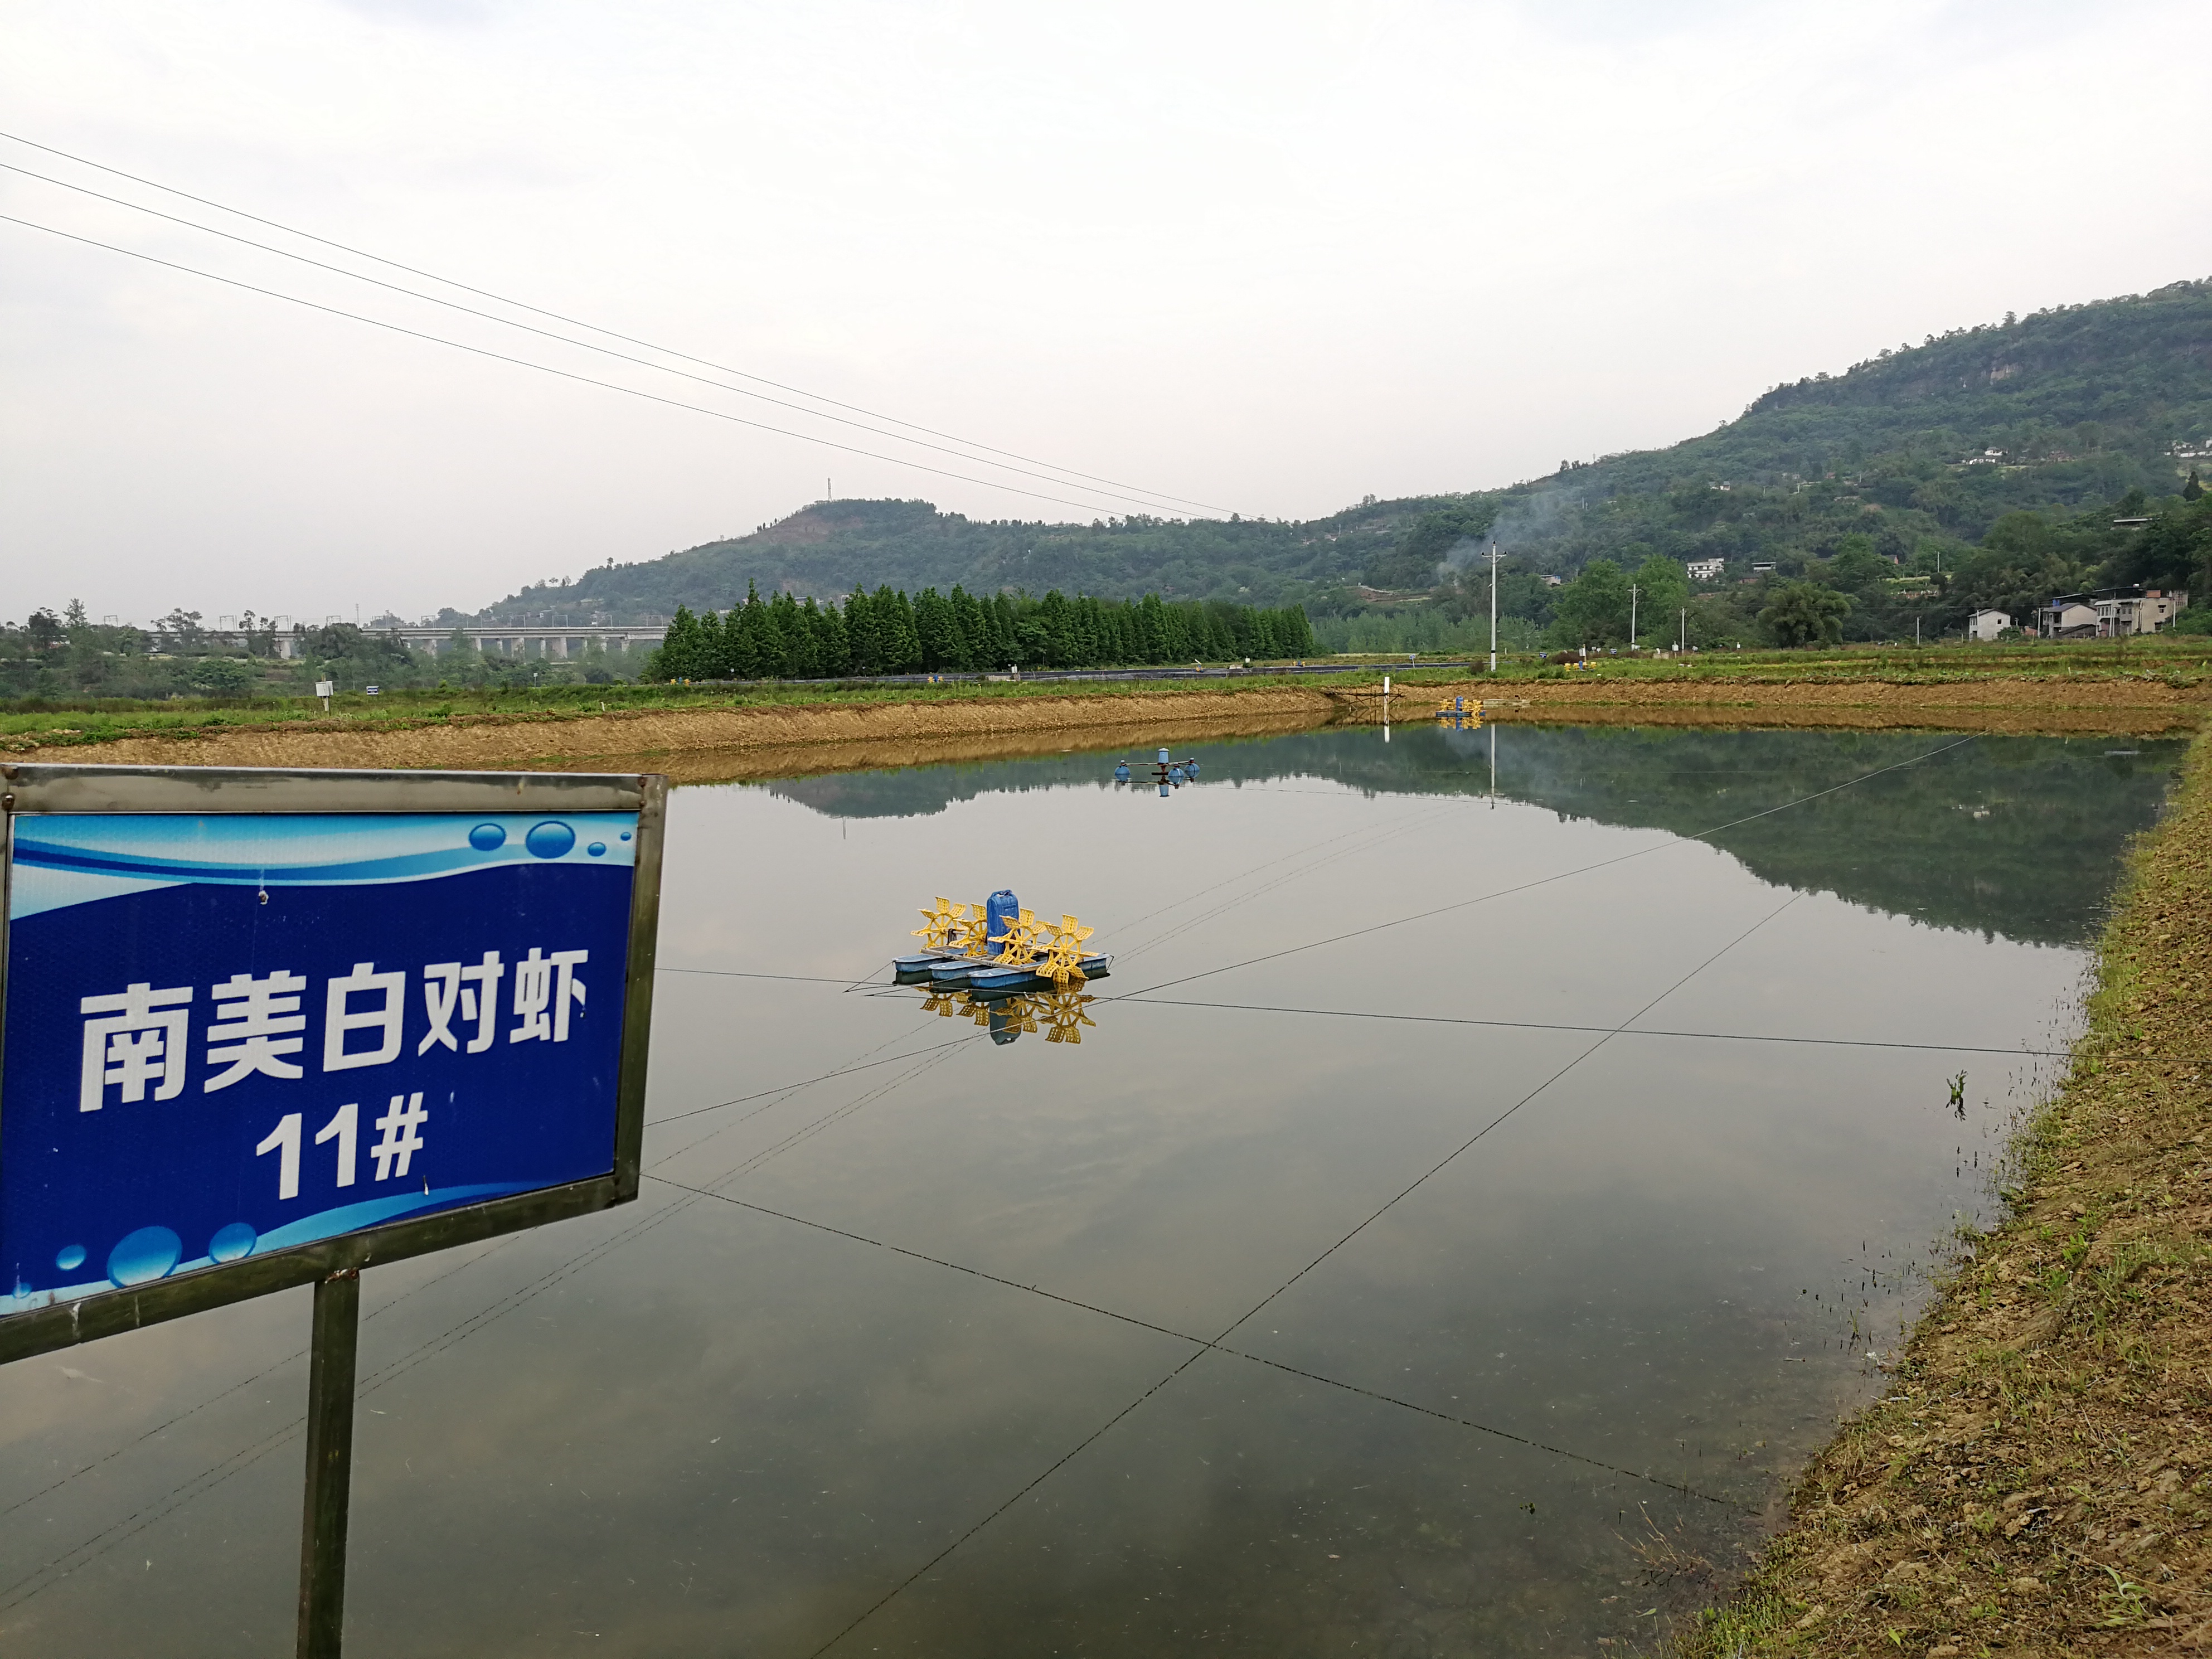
(2039, 1478)
(727, 742)
(2143, 705)
(756, 740)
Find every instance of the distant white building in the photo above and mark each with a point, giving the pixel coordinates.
(1986, 625)
(1706, 570)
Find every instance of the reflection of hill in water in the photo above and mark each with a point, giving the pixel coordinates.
(2021, 837)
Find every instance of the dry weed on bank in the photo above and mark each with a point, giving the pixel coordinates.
(2038, 1479)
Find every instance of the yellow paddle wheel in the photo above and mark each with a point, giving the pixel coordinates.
(938, 921)
(1018, 944)
(1061, 958)
(972, 931)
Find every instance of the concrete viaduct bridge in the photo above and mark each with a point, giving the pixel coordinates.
(554, 640)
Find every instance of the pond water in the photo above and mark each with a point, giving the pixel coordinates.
(1444, 1231)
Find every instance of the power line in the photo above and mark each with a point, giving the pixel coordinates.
(14, 1595)
(1374, 836)
(1144, 499)
(736, 972)
(1059, 1463)
(1185, 1336)
(1219, 1341)
(26, 1587)
(1145, 998)
(792, 1087)
(545, 369)
(808, 1130)
(1444, 1161)
(573, 322)
(161, 1428)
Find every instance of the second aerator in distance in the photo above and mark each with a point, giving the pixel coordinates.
(1169, 773)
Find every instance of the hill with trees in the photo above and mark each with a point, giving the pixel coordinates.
(2036, 431)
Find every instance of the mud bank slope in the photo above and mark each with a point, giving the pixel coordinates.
(835, 736)
(2145, 705)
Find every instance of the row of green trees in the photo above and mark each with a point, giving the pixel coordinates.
(885, 632)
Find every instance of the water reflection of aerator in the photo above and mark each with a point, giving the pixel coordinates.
(1007, 1018)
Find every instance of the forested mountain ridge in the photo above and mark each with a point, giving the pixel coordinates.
(1913, 454)
(829, 547)
(2050, 413)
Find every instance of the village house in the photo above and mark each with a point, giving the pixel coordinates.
(1706, 570)
(2111, 612)
(1986, 625)
(2069, 618)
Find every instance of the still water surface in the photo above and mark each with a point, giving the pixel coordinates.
(1470, 1282)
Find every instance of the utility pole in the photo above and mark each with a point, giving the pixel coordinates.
(1682, 643)
(1493, 612)
(1633, 592)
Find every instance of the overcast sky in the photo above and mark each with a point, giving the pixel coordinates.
(1270, 258)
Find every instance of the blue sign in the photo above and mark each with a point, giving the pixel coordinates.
(235, 1033)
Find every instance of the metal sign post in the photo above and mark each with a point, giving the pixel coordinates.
(330, 1463)
(263, 1029)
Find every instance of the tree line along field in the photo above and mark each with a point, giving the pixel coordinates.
(887, 633)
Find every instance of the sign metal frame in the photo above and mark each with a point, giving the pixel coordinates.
(34, 789)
